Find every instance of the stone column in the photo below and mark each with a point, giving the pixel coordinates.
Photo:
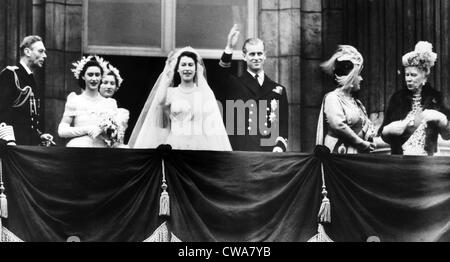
(38, 25)
(63, 27)
(39, 18)
(311, 76)
(15, 23)
(280, 29)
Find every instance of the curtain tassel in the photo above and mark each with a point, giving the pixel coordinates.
(3, 200)
(3, 206)
(164, 203)
(325, 208)
(164, 200)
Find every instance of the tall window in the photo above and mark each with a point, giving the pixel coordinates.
(155, 27)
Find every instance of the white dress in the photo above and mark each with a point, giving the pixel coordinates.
(88, 112)
(122, 117)
(189, 115)
(185, 118)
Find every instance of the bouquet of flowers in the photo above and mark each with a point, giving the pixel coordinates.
(109, 130)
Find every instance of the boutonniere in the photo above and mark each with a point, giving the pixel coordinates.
(278, 90)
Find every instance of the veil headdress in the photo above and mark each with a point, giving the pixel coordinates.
(153, 125)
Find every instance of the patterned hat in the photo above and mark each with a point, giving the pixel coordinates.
(422, 57)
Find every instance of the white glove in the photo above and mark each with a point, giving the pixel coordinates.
(395, 128)
(233, 37)
(369, 146)
(277, 149)
(47, 138)
(430, 115)
(67, 131)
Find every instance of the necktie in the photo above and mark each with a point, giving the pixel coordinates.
(257, 78)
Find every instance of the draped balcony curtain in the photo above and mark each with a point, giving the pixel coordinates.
(114, 195)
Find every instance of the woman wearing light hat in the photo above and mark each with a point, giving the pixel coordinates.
(416, 114)
(343, 125)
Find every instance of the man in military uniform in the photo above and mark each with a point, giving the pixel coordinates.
(256, 107)
(20, 101)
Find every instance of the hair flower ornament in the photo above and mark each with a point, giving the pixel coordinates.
(79, 65)
(115, 71)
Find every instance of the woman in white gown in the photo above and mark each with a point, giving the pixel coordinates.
(110, 84)
(84, 113)
(181, 109)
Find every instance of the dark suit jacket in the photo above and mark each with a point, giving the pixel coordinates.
(249, 129)
(25, 130)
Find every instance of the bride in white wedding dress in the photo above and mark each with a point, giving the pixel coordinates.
(181, 109)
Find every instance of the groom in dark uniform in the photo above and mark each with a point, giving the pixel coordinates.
(20, 99)
(256, 107)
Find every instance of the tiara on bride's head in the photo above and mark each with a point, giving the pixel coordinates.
(79, 65)
(178, 52)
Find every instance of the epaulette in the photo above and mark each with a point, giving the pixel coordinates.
(24, 93)
(12, 68)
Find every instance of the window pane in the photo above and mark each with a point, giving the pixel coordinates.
(206, 23)
(135, 23)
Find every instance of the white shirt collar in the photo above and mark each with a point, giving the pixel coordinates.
(26, 68)
(260, 76)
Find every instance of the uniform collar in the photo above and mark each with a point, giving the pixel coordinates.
(260, 76)
(26, 68)
(261, 73)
